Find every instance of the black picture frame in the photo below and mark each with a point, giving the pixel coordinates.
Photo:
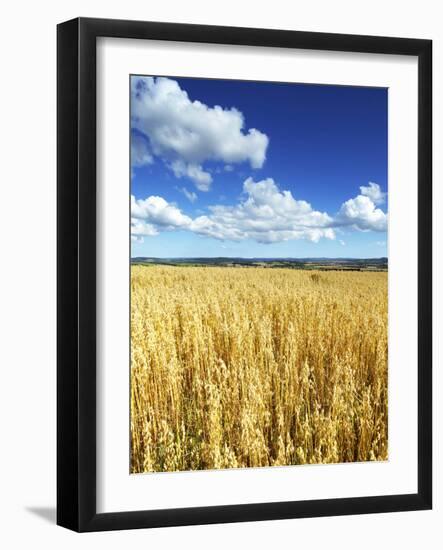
(76, 274)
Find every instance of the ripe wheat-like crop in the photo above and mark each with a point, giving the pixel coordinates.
(247, 367)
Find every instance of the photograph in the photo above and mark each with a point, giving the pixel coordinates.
(259, 274)
(244, 276)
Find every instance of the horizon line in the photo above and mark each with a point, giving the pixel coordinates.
(265, 257)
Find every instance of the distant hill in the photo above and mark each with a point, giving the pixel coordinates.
(342, 264)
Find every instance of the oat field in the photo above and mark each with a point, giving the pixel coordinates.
(248, 367)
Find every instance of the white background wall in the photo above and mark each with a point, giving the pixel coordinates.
(27, 273)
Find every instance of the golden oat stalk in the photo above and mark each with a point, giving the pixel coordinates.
(252, 367)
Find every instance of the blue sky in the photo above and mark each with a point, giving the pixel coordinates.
(237, 168)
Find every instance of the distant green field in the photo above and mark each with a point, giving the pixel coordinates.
(320, 264)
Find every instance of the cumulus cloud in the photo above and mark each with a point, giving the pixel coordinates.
(140, 154)
(361, 213)
(136, 239)
(373, 191)
(195, 172)
(265, 215)
(186, 134)
(157, 212)
(152, 215)
(190, 195)
(140, 229)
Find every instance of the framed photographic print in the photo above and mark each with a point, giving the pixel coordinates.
(244, 274)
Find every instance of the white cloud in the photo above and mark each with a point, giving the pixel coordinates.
(265, 215)
(140, 154)
(138, 240)
(373, 191)
(342, 242)
(186, 134)
(190, 195)
(140, 229)
(157, 212)
(361, 212)
(195, 172)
